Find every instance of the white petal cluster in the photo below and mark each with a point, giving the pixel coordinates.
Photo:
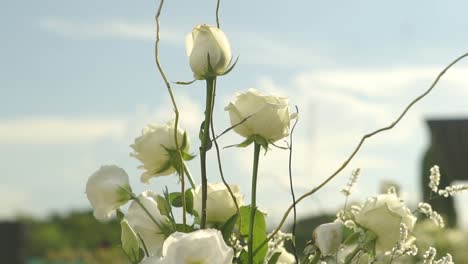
(204, 246)
(207, 40)
(219, 205)
(139, 219)
(151, 149)
(328, 237)
(107, 189)
(383, 215)
(268, 115)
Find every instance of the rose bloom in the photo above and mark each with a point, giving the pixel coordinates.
(204, 40)
(328, 237)
(140, 221)
(150, 149)
(269, 115)
(205, 246)
(107, 189)
(219, 204)
(383, 215)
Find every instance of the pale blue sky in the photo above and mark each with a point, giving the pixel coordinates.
(78, 83)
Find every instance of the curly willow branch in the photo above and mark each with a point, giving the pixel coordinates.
(174, 105)
(363, 139)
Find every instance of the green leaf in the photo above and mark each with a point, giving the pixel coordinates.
(228, 226)
(184, 228)
(352, 238)
(246, 142)
(274, 258)
(187, 156)
(175, 199)
(164, 168)
(243, 257)
(232, 66)
(259, 231)
(163, 206)
(120, 215)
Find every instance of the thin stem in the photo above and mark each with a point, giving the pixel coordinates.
(171, 94)
(218, 155)
(189, 176)
(292, 187)
(352, 255)
(184, 205)
(217, 13)
(358, 147)
(253, 203)
(205, 142)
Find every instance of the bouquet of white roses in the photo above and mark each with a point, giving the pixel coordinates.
(224, 228)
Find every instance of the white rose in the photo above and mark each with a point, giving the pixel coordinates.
(140, 221)
(130, 242)
(269, 115)
(285, 257)
(383, 215)
(204, 246)
(153, 260)
(328, 237)
(204, 40)
(150, 149)
(108, 189)
(219, 204)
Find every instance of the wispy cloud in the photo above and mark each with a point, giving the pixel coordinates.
(113, 28)
(59, 130)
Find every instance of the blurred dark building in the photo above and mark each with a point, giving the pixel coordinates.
(448, 149)
(12, 243)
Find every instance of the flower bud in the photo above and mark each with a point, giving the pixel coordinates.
(203, 246)
(208, 41)
(328, 237)
(383, 215)
(151, 148)
(108, 189)
(268, 116)
(130, 242)
(219, 204)
(137, 217)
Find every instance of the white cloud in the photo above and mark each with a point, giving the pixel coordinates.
(59, 130)
(114, 28)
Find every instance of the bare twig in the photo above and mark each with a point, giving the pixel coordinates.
(174, 105)
(218, 155)
(292, 187)
(217, 13)
(231, 128)
(361, 142)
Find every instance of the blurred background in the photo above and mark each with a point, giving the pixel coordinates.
(78, 83)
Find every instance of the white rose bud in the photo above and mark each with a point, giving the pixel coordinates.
(269, 115)
(130, 242)
(151, 149)
(205, 40)
(204, 246)
(219, 204)
(383, 215)
(328, 237)
(141, 222)
(108, 189)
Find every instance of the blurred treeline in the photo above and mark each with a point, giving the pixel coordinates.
(72, 238)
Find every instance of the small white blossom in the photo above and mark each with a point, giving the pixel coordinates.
(429, 255)
(351, 182)
(434, 178)
(453, 189)
(435, 217)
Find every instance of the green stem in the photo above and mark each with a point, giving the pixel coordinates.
(205, 142)
(352, 255)
(253, 203)
(189, 176)
(316, 258)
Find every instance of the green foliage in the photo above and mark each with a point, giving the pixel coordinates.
(259, 231)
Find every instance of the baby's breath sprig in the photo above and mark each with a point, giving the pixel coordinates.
(435, 217)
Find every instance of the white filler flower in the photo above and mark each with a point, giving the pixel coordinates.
(107, 189)
(328, 237)
(204, 246)
(269, 115)
(141, 222)
(204, 40)
(151, 149)
(383, 215)
(219, 205)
